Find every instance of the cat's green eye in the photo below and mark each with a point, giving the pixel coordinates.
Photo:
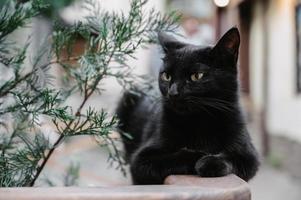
(196, 76)
(165, 77)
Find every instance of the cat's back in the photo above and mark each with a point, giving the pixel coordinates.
(138, 115)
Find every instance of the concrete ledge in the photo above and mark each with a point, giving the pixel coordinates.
(177, 188)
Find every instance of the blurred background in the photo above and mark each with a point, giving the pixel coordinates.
(270, 76)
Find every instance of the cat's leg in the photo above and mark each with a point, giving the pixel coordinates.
(241, 160)
(245, 162)
(151, 164)
(213, 166)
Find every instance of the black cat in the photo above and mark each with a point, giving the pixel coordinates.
(197, 127)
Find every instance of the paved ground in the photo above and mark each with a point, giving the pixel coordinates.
(272, 184)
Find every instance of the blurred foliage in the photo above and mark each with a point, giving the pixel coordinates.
(70, 177)
(55, 6)
(28, 100)
(275, 160)
(51, 10)
(72, 174)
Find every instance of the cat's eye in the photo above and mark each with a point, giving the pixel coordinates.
(196, 76)
(165, 77)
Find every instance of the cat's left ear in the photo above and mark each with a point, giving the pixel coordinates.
(229, 43)
(169, 43)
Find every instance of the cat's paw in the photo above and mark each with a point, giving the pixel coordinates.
(213, 166)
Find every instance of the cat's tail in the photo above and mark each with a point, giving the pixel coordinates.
(127, 122)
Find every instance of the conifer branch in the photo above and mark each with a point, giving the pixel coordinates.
(110, 37)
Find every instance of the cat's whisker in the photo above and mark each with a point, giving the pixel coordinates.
(214, 103)
(202, 107)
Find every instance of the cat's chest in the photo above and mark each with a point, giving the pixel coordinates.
(209, 145)
(201, 136)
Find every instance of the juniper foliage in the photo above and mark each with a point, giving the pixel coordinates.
(26, 95)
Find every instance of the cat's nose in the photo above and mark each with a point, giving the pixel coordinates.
(173, 90)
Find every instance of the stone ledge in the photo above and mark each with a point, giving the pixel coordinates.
(176, 187)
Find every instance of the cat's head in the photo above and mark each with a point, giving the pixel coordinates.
(192, 76)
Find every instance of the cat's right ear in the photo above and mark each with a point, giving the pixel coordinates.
(229, 43)
(168, 42)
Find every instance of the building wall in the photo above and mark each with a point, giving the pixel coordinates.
(284, 105)
(256, 56)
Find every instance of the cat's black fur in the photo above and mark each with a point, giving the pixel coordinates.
(197, 128)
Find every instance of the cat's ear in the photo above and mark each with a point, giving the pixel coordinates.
(168, 42)
(229, 42)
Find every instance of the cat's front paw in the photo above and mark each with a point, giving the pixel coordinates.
(213, 166)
